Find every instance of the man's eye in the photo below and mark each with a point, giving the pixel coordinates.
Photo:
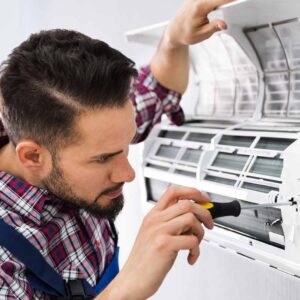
(103, 159)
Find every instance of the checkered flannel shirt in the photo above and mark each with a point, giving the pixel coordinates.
(76, 244)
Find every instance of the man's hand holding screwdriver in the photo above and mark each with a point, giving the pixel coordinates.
(174, 224)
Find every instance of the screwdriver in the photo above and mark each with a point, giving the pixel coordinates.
(233, 208)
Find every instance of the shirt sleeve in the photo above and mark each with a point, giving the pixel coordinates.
(13, 284)
(151, 100)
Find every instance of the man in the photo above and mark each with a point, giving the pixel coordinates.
(68, 120)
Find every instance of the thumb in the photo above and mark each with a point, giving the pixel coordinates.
(210, 28)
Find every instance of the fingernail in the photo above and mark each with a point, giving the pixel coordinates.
(222, 26)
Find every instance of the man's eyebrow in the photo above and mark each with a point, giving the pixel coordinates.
(106, 155)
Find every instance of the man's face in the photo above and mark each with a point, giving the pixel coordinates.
(91, 173)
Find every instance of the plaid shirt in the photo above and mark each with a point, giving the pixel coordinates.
(76, 244)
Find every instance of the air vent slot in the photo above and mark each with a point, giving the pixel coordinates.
(220, 180)
(170, 134)
(267, 166)
(273, 143)
(157, 167)
(186, 173)
(230, 161)
(167, 151)
(191, 155)
(239, 141)
(258, 188)
(200, 137)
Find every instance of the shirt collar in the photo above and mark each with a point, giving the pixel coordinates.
(21, 197)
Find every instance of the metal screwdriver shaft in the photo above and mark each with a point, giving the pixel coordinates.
(233, 208)
(287, 203)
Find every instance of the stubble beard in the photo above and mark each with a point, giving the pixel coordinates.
(56, 184)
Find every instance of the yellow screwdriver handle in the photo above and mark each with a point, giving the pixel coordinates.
(223, 209)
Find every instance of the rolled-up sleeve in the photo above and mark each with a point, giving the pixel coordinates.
(151, 100)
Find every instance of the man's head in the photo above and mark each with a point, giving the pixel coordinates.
(65, 106)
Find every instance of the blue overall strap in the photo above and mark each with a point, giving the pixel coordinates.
(110, 272)
(39, 273)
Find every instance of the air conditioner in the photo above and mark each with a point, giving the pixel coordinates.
(241, 137)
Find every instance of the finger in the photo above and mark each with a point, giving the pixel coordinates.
(186, 224)
(193, 255)
(217, 3)
(187, 242)
(209, 29)
(213, 4)
(173, 194)
(187, 206)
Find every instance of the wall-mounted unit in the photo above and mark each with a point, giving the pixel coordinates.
(241, 139)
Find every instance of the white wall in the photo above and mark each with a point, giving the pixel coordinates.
(107, 20)
(11, 33)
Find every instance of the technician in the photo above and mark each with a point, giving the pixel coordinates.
(69, 112)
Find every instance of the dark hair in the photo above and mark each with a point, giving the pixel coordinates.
(53, 77)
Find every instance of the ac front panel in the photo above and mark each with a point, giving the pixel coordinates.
(229, 164)
(241, 136)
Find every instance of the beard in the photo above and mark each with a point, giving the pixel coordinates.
(56, 183)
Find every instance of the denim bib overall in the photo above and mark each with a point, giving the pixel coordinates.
(42, 276)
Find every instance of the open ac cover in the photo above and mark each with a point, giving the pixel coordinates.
(242, 139)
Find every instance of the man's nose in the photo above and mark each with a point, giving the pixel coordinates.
(123, 171)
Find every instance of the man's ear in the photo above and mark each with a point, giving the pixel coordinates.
(31, 155)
